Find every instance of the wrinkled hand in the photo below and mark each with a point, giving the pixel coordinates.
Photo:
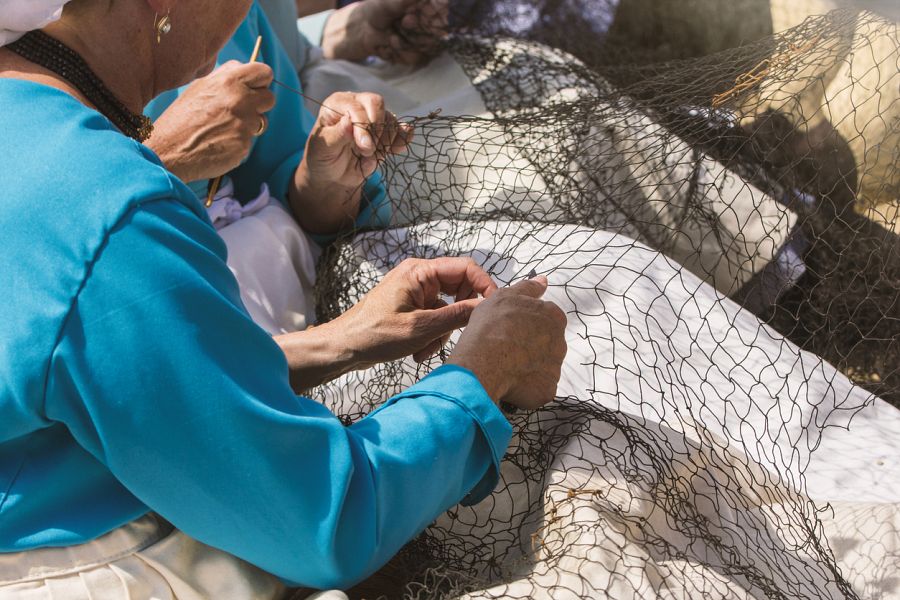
(404, 315)
(349, 138)
(402, 31)
(209, 129)
(515, 344)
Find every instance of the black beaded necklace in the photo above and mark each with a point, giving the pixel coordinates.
(50, 53)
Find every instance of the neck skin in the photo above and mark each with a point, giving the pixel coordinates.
(122, 57)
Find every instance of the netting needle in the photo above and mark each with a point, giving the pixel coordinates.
(214, 185)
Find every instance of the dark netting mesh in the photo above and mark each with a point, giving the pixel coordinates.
(720, 225)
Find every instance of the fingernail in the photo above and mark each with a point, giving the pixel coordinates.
(366, 142)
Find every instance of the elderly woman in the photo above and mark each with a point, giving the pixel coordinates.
(151, 442)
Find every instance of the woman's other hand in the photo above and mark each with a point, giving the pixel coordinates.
(515, 344)
(209, 129)
(401, 31)
(351, 134)
(402, 316)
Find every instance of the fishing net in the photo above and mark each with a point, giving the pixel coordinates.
(720, 225)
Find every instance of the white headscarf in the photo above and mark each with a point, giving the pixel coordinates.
(18, 17)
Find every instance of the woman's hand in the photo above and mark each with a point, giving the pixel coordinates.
(401, 31)
(402, 316)
(515, 344)
(352, 133)
(209, 129)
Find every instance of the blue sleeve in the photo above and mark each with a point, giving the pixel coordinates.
(162, 376)
(276, 154)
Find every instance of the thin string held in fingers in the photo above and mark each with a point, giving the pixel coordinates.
(404, 120)
(359, 158)
(307, 97)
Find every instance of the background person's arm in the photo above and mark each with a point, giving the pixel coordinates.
(402, 31)
(343, 150)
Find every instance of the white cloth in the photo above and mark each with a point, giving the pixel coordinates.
(146, 559)
(226, 209)
(626, 301)
(407, 90)
(18, 17)
(275, 263)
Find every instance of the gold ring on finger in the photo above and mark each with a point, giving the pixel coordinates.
(263, 126)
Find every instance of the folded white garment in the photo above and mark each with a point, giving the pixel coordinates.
(275, 264)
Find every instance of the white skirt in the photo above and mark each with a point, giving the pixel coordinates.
(275, 263)
(142, 560)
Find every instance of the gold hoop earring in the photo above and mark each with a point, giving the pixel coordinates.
(162, 25)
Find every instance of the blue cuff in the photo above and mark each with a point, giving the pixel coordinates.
(375, 210)
(281, 180)
(460, 386)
